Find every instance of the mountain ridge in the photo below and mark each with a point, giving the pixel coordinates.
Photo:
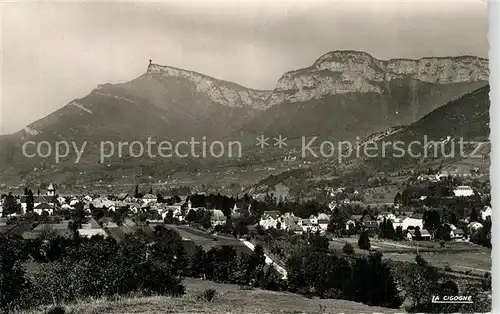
(358, 71)
(171, 103)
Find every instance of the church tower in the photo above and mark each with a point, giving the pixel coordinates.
(51, 191)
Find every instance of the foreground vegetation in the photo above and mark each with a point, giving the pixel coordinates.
(228, 298)
(55, 270)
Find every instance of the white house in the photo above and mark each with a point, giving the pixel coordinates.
(486, 212)
(463, 191)
(397, 222)
(424, 235)
(474, 226)
(66, 206)
(102, 202)
(270, 219)
(289, 222)
(309, 225)
(415, 221)
(37, 200)
(148, 198)
(323, 221)
(386, 215)
(332, 205)
(455, 233)
(73, 202)
(313, 220)
(350, 224)
(217, 217)
(44, 207)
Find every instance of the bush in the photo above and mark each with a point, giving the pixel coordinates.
(348, 249)
(441, 243)
(208, 295)
(13, 283)
(364, 241)
(57, 310)
(486, 281)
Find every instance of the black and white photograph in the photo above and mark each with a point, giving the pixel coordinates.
(245, 157)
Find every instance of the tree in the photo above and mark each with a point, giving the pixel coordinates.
(348, 249)
(399, 233)
(12, 274)
(420, 282)
(169, 217)
(258, 255)
(191, 216)
(398, 199)
(445, 232)
(30, 201)
(159, 198)
(197, 262)
(137, 194)
(474, 216)
(486, 281)
(375, 282)
(418, 233)
(10, 205)
(319, 242)
(337, 222)
(431, 220)
(364, 241)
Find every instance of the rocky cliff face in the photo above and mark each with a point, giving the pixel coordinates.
(221, 92)
(342, 72)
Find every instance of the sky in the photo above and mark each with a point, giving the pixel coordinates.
(54, 52)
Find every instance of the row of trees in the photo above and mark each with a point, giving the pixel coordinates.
(324, 274)
(80, 268)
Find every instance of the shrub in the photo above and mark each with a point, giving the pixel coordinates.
(57, 310)
(208, 295)
(486, 281)
(13, 283)
(441, 243)
(364, 241)
(348, 249)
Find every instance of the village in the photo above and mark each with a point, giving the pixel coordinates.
(403, 216)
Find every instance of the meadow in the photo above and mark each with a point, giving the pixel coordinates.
(228, 299)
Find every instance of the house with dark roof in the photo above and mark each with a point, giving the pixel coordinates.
(44, 207)
(270, 219)
(149, 198)
(37, 200)
(372, 226)
(424, 235)
(217, 217)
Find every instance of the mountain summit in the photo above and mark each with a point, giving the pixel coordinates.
(345, 94)
(218, 91)
(340, 72)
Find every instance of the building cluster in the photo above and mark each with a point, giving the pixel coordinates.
(50, 202)
(290, 222)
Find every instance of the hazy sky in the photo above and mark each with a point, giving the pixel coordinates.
(55, 52)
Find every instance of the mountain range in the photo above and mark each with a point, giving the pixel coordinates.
(341, 95)
(465, 118)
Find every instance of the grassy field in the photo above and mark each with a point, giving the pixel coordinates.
(461, 257)
(229, 299)
(207, 241)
